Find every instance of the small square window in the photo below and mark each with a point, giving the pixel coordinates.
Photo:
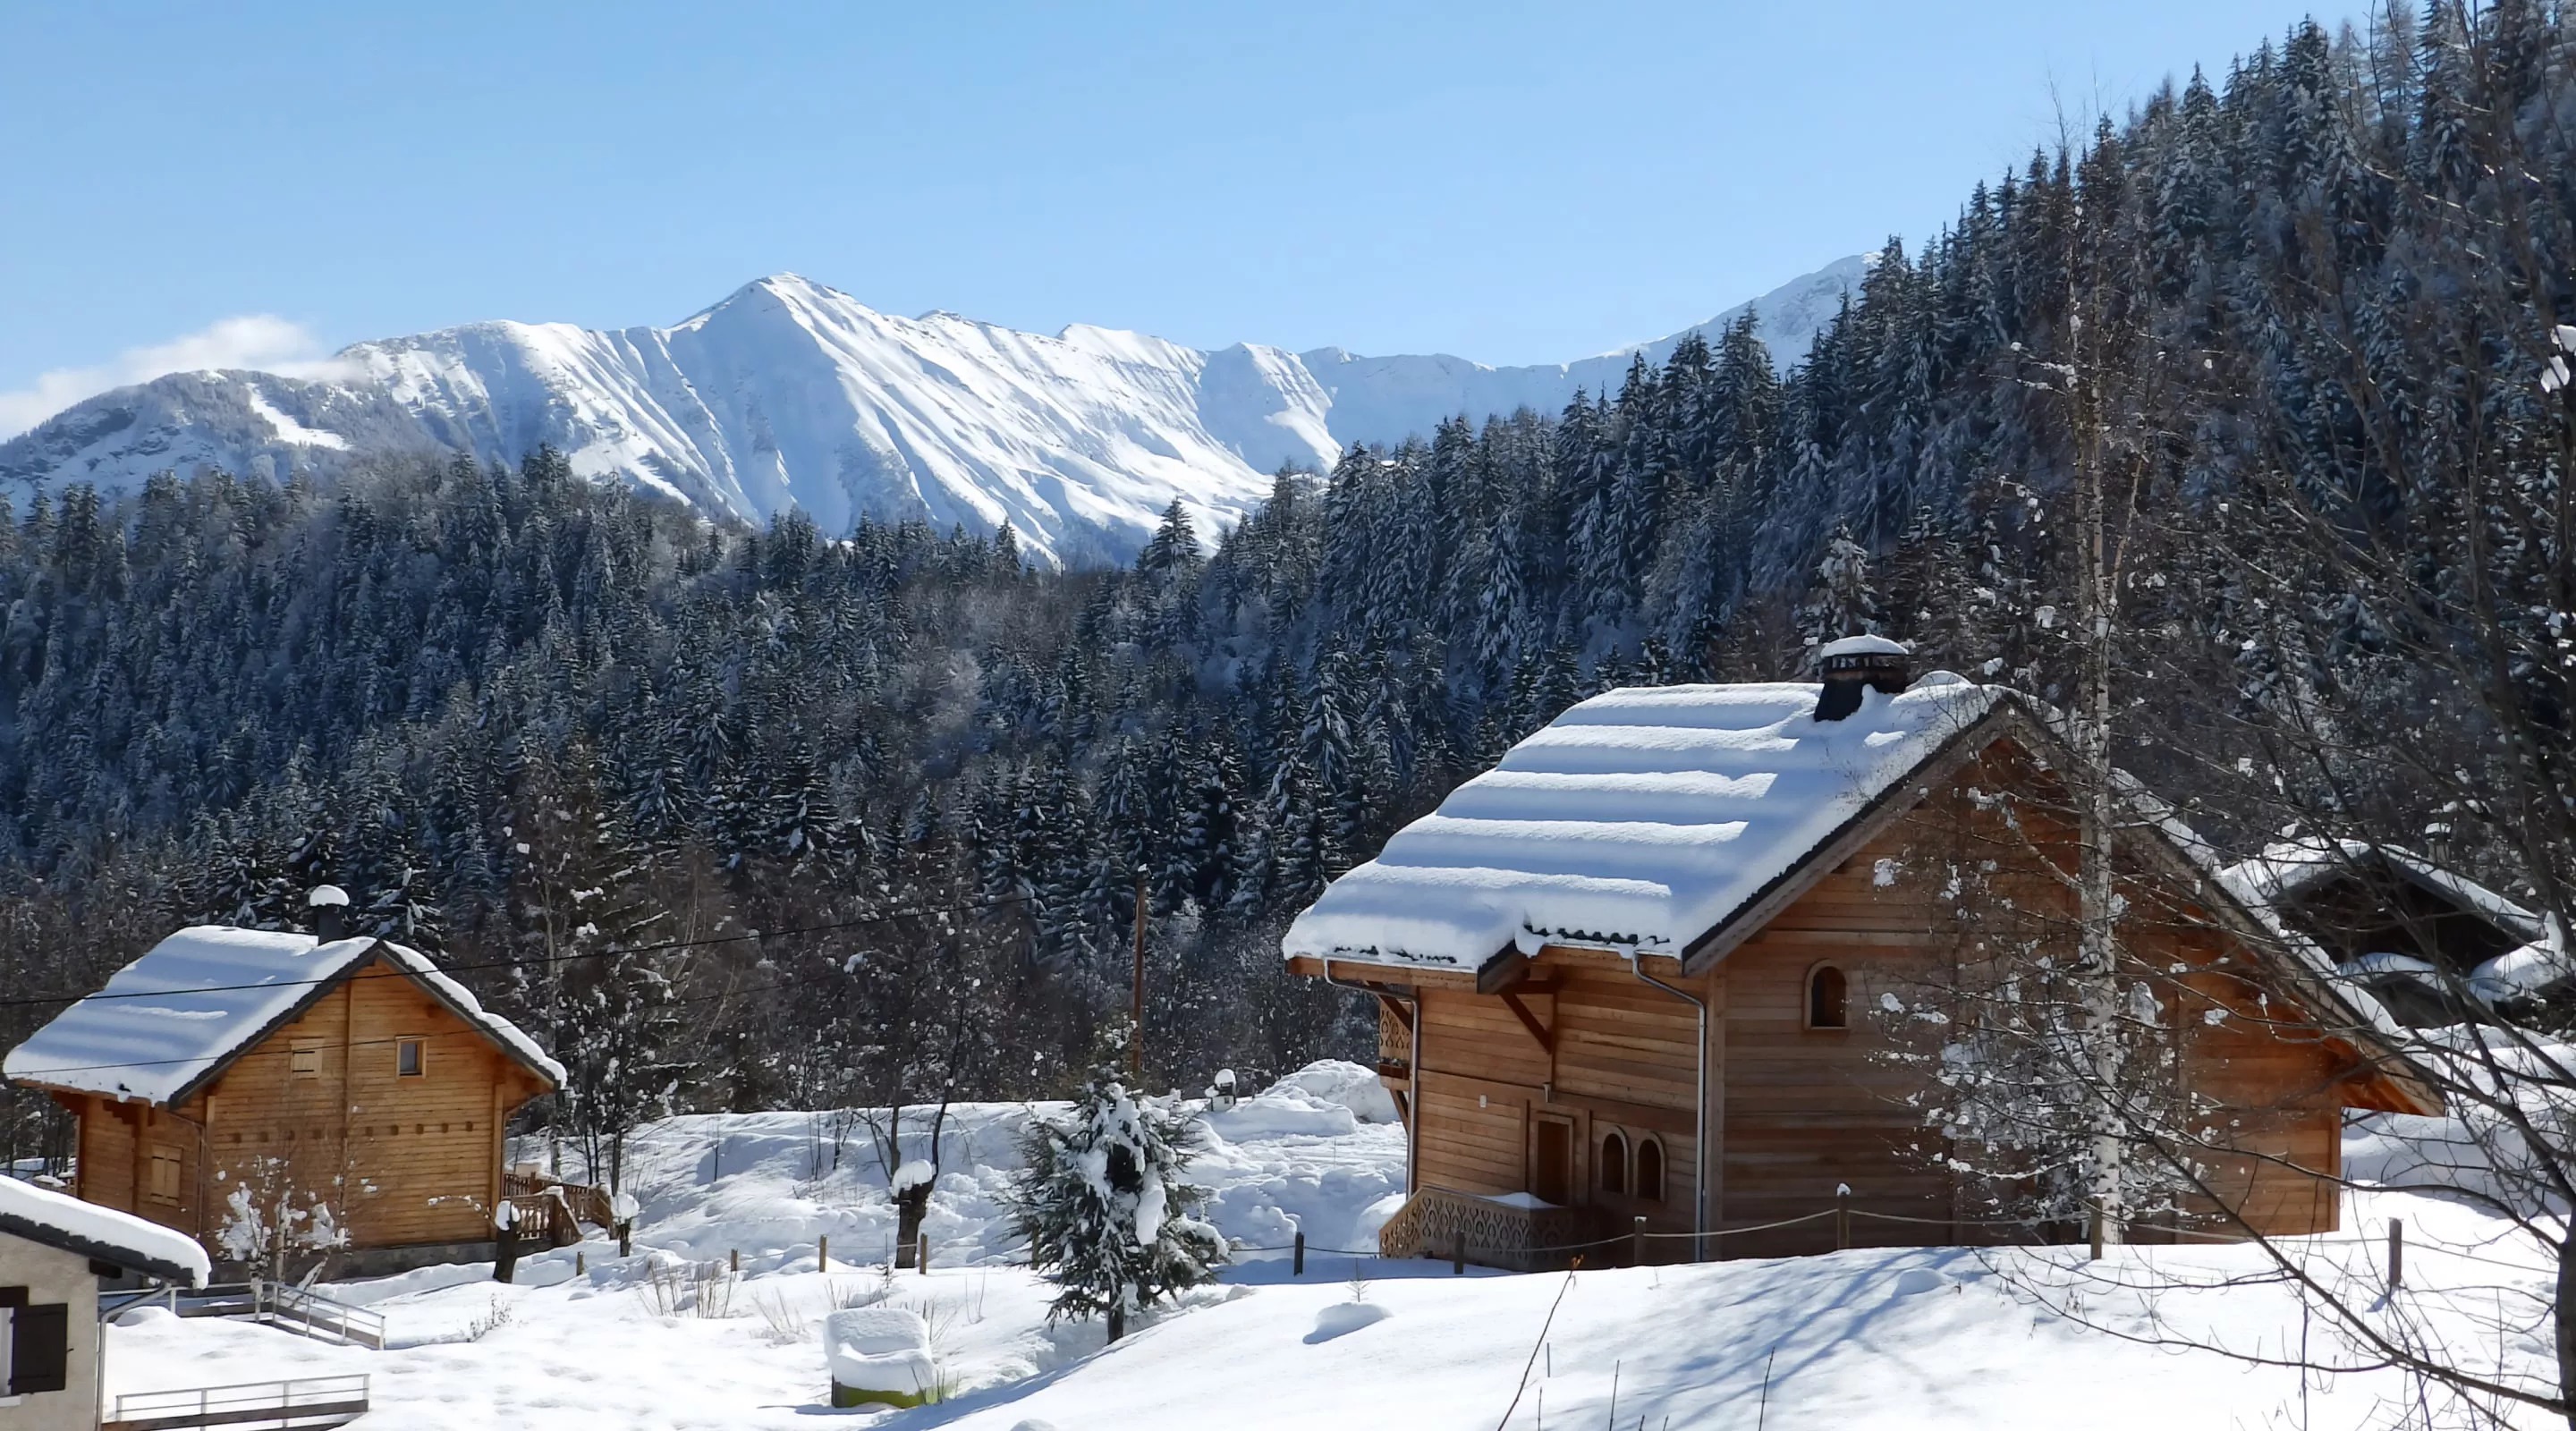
(407, 1058)
(304, 1058)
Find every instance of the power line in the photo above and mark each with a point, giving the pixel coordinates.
(32, 999)
(788, 982)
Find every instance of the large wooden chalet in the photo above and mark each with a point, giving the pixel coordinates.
(1635, 971)
(348, 1073)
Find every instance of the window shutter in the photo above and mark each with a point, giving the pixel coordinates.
(40, 1348)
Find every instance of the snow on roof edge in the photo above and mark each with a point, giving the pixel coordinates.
(103, 1234)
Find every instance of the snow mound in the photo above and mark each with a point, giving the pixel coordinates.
(1914, 1281)
(880, 1349)
(1335, 1080)
(1343, 1318)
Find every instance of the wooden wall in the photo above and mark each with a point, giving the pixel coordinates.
(1809, 1110)
(1617, 1055)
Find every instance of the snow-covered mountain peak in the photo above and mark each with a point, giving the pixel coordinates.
(791, 393)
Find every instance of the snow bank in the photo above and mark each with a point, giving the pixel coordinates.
(1868, 1339)
(1318, 1150)
(1639, 819)
(57, 1220)
(205, 993)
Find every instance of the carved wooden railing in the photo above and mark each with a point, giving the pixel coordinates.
(1442, 1222)
(554, 1210)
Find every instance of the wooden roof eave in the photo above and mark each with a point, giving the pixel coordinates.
(1400, 980)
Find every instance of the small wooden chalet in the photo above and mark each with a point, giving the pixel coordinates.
(2429, 943)
(1638, 969)
(348, 1074)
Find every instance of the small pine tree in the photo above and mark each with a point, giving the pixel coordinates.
(1101, 1201)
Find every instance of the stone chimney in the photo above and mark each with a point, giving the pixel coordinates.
(330, 905)
(1857, 663)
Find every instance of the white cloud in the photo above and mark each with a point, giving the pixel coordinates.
(260, 341)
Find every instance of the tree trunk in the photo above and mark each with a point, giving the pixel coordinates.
(2098, 952)
(909, 1205)
(2563, 1320)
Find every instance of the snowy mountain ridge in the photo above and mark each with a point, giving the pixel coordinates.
(792, 394)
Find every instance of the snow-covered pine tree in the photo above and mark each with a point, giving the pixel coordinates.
(1108, 1217)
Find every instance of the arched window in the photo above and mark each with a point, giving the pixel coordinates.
(1825, 997)
(1650, 1169)
(1614, 1162)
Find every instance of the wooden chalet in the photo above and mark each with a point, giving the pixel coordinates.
(1638, 971)
(345, 1073)
(2432, 945)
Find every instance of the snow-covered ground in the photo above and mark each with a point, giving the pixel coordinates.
(1894, 1338)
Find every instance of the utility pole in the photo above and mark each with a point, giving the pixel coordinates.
(1136, 993)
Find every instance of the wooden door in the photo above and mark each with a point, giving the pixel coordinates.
(1552, 1161)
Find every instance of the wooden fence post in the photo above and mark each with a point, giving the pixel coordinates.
(734, 1257)
(626, 1238)
(578, 1265)
(2093, 1221)
(1458, 1252)
(2396, 1253)
(1637, 1243)
(823, 1253)
(1297, 1255)
(1842, 1217)
(921, 1253)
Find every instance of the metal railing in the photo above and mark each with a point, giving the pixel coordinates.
(295, 1309)
(312, 1402)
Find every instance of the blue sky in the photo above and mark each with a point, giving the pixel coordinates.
(196, 184)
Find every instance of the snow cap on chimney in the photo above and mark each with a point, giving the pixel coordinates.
(1855, 663)
(330, 906)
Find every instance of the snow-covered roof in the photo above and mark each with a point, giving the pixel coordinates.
(103, 1234)
(2532, 970)
(199, 998)
(2286, 870)
(1639, 819)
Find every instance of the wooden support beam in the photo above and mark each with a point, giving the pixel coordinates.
(1537, 1030)
(1506, 970)
(1396, 1006)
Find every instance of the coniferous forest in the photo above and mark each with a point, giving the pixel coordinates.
(778, 818)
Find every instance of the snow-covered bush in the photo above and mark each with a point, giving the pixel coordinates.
(268, 1219)
(1102, 1203)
